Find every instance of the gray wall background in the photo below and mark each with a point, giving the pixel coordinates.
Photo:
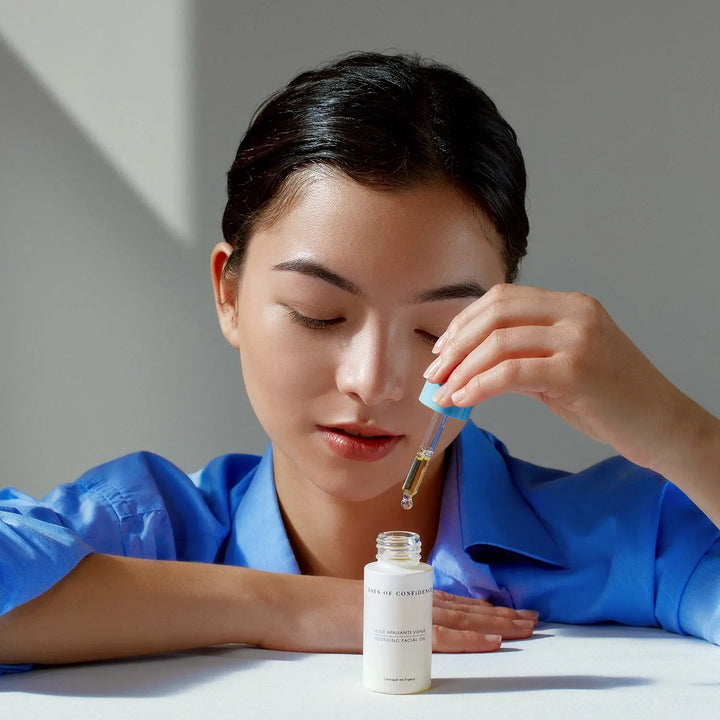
(118, 121)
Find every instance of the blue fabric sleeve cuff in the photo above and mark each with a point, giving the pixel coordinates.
(700, 606)
(685, 539)
(7, 669)
(52, 551)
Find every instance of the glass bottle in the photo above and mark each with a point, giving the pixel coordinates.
(397, 628)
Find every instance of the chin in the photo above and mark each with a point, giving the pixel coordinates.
(354, 489)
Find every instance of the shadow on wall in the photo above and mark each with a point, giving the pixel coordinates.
(107, 321)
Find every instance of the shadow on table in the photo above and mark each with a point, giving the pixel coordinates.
(609, 631)
(153, 676)
(457, 686)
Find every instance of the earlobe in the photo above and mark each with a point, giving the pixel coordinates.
(224, 298)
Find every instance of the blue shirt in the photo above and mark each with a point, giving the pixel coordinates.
(615, 542)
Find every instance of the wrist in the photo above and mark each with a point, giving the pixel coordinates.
(310, 613)
(691, 458)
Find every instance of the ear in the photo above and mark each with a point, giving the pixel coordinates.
(225, 304)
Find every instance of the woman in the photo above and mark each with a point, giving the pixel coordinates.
(374, 223)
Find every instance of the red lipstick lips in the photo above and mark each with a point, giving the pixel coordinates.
(365, 443)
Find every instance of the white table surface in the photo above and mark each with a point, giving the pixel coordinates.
(563, 672)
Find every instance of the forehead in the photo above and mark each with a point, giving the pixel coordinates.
(428, 233)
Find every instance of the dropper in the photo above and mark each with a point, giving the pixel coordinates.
(429, 442)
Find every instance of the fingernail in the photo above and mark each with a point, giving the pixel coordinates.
(524, 624)
(458, 395)
(495, 639)
(434, 365)
(439, 395)
(529, 614)
(439, 343)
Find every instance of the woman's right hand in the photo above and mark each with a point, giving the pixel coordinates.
(463, 624)
(322, 614)
(111, 607)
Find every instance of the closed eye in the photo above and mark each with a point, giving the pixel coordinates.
(427, 337)
(311, 322)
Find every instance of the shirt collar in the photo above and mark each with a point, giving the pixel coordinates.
(484, 518)
(260, 540)
(454, 570)
(496, 522)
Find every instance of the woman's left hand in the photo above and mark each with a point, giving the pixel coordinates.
(565, 350)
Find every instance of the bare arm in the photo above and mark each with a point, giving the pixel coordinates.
(112, 607)
(692, 457)
(564, 350)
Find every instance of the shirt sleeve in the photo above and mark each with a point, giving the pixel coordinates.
(137, 506)
(700, 608)
(687, 568)
(636, 550)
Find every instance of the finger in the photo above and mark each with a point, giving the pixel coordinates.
(537, 377)
(467, 605)
(491, 327)
(485, 621)
(449, 640)
(495, 296)
(501, 301)
(500, 345)
(441, 595)
(444, 599)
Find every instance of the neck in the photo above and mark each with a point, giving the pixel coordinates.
(336, 538)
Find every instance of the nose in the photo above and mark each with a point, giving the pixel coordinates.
(372, 368)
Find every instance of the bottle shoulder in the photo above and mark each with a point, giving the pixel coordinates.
(384, 567)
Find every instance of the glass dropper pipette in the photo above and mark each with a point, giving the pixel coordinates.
(429, 442)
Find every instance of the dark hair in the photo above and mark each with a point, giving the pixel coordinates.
(387, 121)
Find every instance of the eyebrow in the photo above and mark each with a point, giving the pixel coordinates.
(316, 270)
(468, 288)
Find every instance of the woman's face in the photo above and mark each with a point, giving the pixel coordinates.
(340, 301)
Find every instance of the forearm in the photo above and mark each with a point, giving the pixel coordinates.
(565, 350)
(111, 607)
(691, 459)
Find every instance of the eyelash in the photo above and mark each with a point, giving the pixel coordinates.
(316, 324)
(312, 323)
(428, 337)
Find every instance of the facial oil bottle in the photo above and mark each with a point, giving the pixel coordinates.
(397, 629)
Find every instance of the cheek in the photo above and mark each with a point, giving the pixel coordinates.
(280, 368)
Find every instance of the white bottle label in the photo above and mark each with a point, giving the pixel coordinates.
(397, 634)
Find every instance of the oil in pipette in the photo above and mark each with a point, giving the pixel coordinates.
(424, 455)
(415, 477)
(422, 459)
